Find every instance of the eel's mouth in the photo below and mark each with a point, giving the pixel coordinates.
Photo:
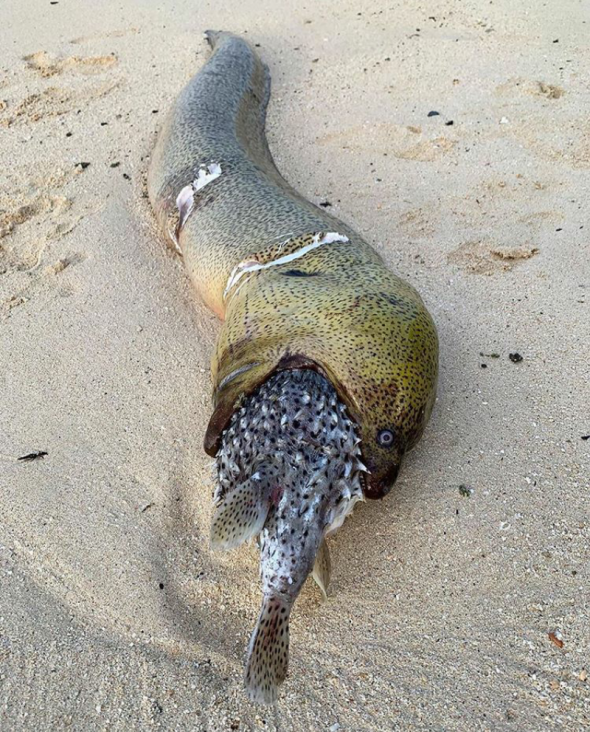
(374, 487)
(363, 479)
(375, 482)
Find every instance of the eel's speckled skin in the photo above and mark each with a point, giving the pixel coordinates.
(336, 309)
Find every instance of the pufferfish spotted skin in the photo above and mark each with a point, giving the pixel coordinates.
(311, 316)
(289, 469)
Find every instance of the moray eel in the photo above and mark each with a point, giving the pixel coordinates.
(298, 291)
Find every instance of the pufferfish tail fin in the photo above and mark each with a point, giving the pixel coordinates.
(240, 515)
(268, 653)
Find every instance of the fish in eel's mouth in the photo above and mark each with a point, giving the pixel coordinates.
(289, 470)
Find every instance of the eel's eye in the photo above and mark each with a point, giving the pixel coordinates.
(385, 438)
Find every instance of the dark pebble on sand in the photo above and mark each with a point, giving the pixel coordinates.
(515, 357)
(450, 122)
(115, 165)
(33, 456)
(433, 113)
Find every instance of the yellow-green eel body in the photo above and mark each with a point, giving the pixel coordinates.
(294, 286)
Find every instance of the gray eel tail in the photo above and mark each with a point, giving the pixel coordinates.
(220, 113)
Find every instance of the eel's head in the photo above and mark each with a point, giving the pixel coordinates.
(369, 334)
(383, 468)
(387, 434)
(381, 354)
(391, 403)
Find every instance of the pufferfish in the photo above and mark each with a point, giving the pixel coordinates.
(325, 369)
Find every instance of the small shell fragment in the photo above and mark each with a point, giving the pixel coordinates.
(556, 638)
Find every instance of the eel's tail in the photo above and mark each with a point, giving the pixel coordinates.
(247, 79)
(213, 36)
(221, 111)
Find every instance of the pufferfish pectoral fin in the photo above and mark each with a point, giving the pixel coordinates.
(240, 516)
(322, 569)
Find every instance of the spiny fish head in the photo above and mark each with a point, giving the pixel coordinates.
(291, 453)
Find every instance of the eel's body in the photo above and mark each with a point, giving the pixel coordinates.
(296, 288)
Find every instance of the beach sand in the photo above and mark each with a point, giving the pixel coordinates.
(462, 601)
